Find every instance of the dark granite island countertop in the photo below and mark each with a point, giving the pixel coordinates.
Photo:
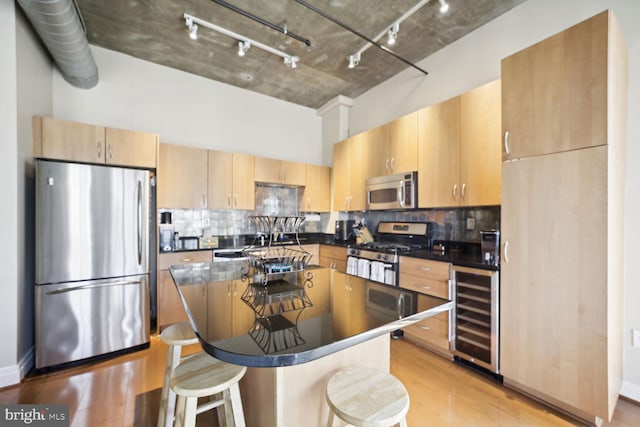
(333, 313)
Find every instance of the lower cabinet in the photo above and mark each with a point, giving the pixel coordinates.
(236, 318)
(170, 308)
(431, 278)
(319, 293)
(314, 250)
(334, 257)
(344, 295)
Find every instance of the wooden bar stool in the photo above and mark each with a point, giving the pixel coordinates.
(175, 336)
(367, 397)
(203, 375)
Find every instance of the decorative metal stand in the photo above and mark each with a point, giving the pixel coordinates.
(273, 293)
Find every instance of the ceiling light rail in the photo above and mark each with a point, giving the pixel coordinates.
(273, 26)
(244, 43)
(355, 58)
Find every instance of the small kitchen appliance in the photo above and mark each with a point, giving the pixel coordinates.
(344, 231)
(490, 246)
(166, 232)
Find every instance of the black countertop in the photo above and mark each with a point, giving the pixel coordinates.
(218, 299)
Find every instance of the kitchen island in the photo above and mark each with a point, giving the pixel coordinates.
(295, 332)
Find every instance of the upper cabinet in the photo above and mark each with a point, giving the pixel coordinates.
(231, 183)
(80, 142)
(182, 177)
(554, 93)
(350, 158)
(394, 146)
(459, 160)
(274, 171)
(317, 192)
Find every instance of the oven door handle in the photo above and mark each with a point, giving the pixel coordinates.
(400, 305)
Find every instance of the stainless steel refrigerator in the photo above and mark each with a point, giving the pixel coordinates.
(92, 261)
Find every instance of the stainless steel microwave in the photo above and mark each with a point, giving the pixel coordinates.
(397, 191)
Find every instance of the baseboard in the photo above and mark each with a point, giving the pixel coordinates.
(630, 391)
(13, 374)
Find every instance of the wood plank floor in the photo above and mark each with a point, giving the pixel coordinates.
(125, 391)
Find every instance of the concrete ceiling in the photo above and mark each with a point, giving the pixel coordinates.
(155, 30)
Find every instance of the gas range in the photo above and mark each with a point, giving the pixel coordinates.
(379, 260)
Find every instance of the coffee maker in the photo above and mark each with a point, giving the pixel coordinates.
(490, 246)
(344, 231)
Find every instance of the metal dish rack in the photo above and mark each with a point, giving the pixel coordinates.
(274, 292)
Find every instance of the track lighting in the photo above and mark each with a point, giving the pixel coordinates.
(354, 60)
(393, 34)
(444, 6)
(244, 43)
(243, 47)
(291, 61)
(193, 29)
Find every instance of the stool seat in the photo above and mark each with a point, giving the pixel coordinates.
(175, 336)
(367, 397)
(203, 375)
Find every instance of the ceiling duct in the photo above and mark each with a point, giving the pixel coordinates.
(60, 26)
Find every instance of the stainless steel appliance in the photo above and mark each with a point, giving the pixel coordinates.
(396, 191)
(223, 255)
(476, 317)
(344, 231)
(92, 261)
(490, 246)
(379, 260)
(389, 303)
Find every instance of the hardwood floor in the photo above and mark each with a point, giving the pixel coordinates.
(125, 391)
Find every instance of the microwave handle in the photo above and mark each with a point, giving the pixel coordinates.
(401, 194)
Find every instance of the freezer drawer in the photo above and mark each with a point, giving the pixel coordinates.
(84, 319)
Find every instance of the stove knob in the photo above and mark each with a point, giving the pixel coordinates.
(378, 256)
(386, 257)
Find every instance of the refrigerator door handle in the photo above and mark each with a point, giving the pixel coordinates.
(94, 285)
(139, 222)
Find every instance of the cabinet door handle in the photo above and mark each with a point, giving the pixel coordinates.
(186, 260)
(235, 200)
(229, 289)
(204, 201)
(462, 191)
(392, 159)
(506, 142)
(229, 199)
(425, 268)
(506, 251)
(386, 165)
(455, 191)
(110, 151)
(426, 328)
(99, 147)
(424, 287)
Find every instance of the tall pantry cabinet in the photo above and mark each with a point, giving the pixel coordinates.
(564, 121)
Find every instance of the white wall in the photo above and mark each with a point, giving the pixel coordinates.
(8, 215)
(190, 110)
(475, 59)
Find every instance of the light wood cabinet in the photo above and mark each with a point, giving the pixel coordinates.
(170, 308)
(131, 148)
(231, 183)
(314, 250)
(182, 177)
(232, 318)
(317, 191)
(274, 171)
(346, 292)
(319, 293)
(333, 257)
(430, 278)
(394, 147)
(459, 158)
(81, 142)
(562, 226)
(554, 93)
(350, 160)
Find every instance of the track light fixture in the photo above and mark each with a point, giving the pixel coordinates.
(392, 34)
(354, 60)
(243, 47)
(244, 43)
(444, 6)
(193, 29)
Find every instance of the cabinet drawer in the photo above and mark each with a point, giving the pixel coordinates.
(438, 288)
(428, 269)
(167, 260)
(337, 252)
(432, 332)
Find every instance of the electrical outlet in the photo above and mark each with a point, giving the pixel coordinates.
(471, 223)
(636, 337)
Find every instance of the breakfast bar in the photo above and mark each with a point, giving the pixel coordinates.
(295, 331)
